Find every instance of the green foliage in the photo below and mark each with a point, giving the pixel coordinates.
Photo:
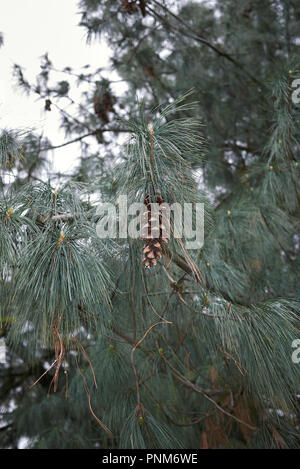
(161, 163)
(10, 148)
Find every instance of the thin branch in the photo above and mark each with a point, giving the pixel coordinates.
(195, 388)
(189, 32)
(78, 139)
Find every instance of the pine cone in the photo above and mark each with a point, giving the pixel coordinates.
(149, 71)
(129, 7)
(100, 110)
(152, 227)
(103, 105)
(48, 105)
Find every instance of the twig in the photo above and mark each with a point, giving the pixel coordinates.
(78, 139)
(200, 391)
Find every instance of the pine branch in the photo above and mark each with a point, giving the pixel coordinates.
(187, 32)
(198, 390)
(78, 139)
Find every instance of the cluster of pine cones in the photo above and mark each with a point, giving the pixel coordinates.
(152, 231)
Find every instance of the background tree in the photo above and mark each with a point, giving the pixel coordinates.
(195, 352)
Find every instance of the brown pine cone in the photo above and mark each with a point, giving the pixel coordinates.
(129, 7)
(48, 105)
(152, 233)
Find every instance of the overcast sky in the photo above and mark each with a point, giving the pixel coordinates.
(31, 28)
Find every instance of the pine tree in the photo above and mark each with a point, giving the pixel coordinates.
(196, 350)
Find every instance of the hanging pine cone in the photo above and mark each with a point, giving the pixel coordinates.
(149, 71)
(132, 6)
(48, 105)
(152, 233)
(129, 7)
(103, 105)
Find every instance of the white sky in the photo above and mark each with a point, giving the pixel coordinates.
(31, 28)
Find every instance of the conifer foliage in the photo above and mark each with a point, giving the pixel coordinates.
(198, 349)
